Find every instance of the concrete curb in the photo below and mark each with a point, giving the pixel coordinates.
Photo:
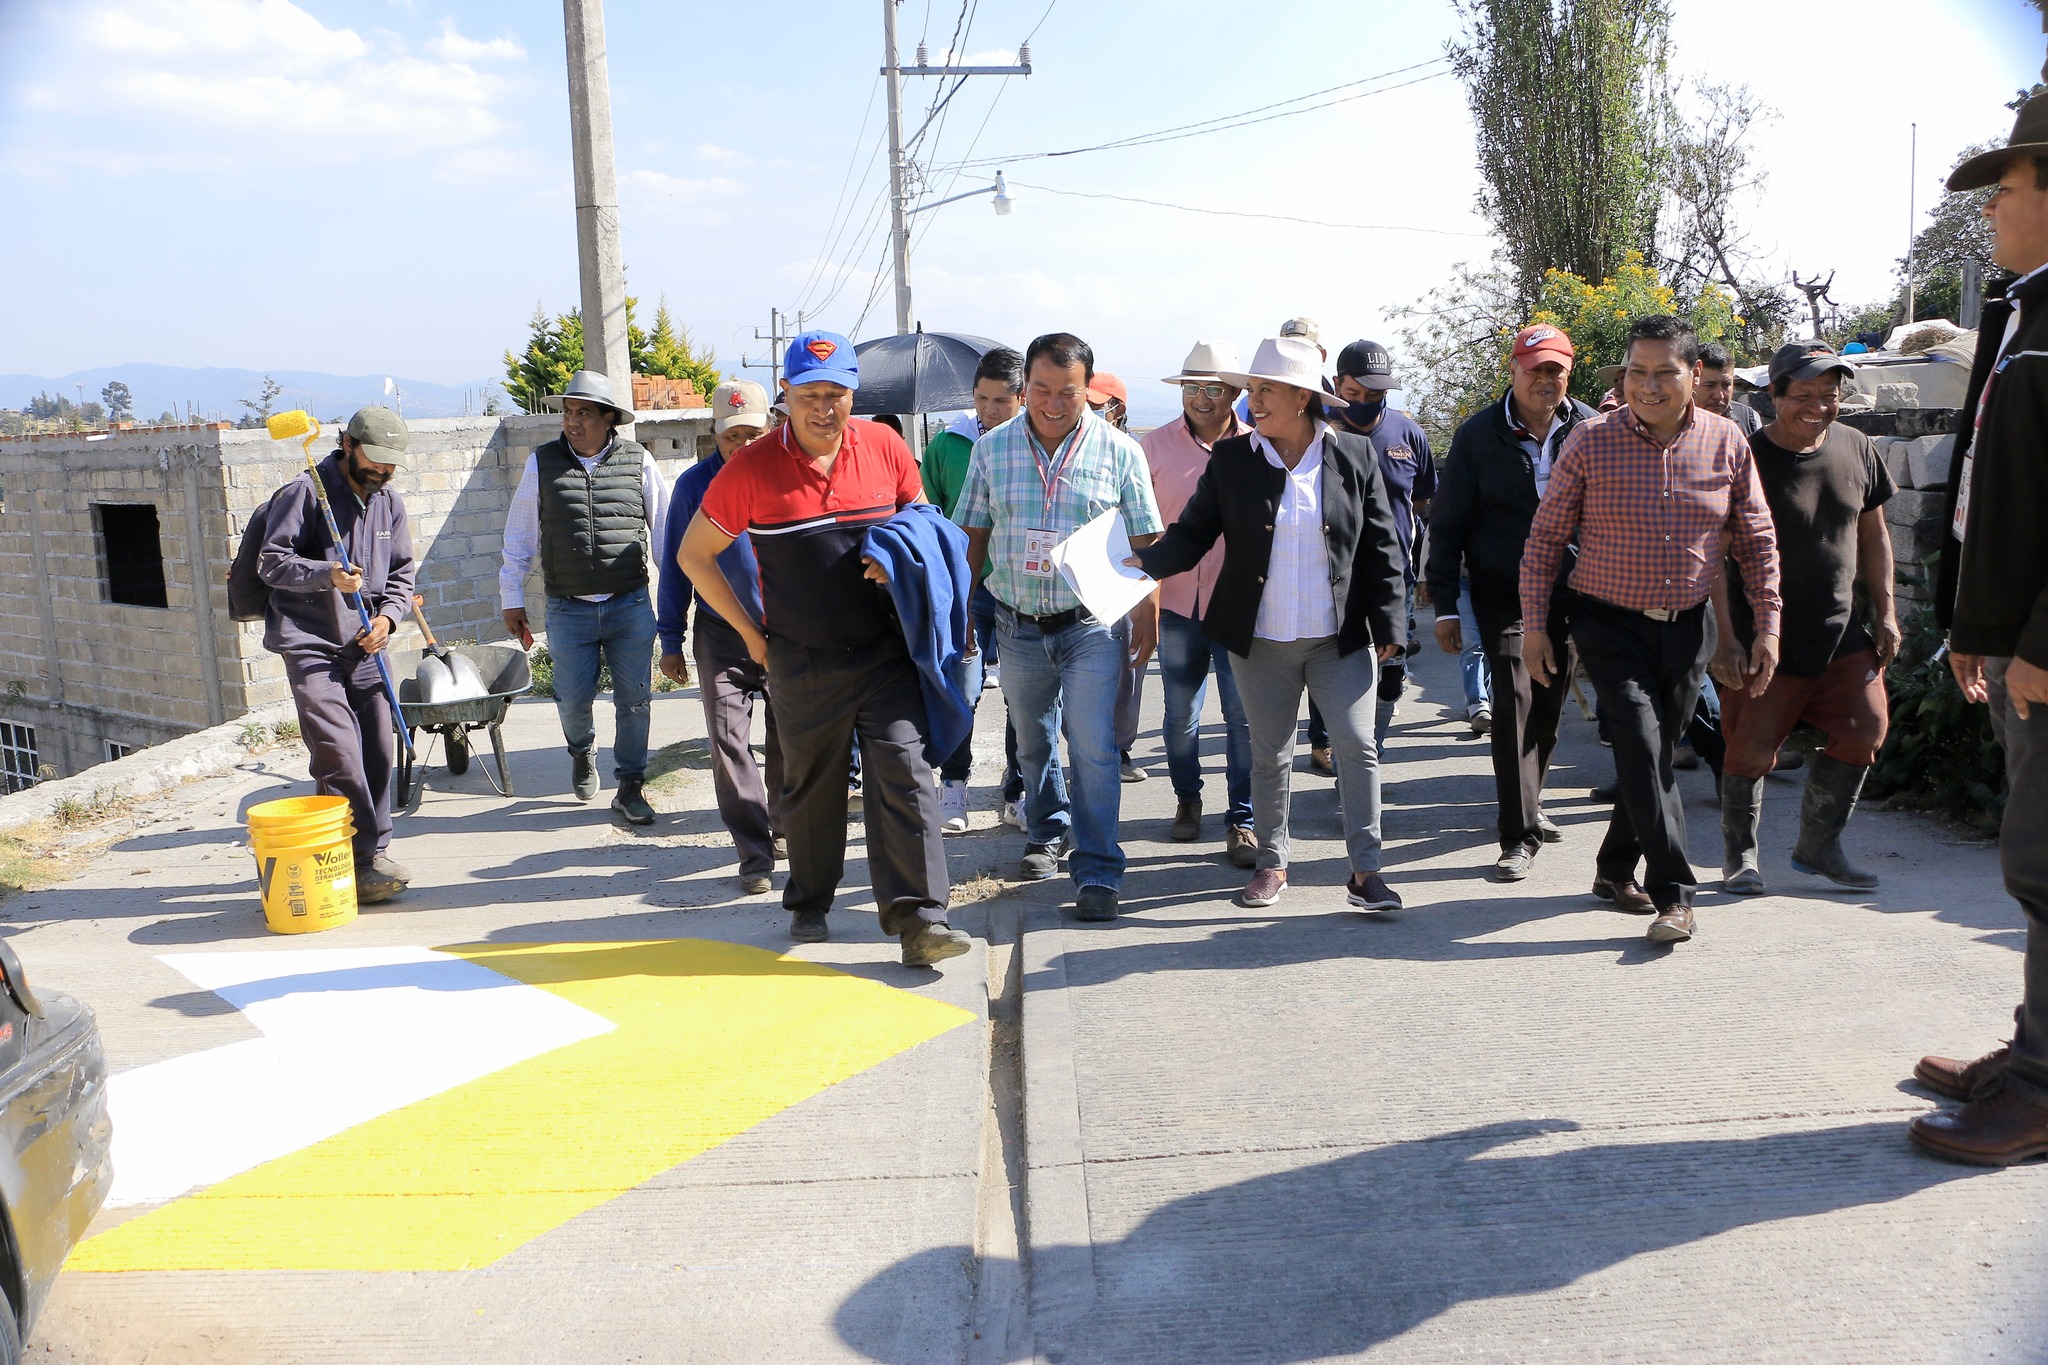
(1062, 1249)
(204, 753)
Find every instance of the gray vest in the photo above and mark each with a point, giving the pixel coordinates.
(593, 524)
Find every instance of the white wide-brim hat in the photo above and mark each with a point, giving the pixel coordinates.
(1283, 360)
(1208, 360)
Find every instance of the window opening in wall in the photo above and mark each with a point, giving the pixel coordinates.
(115, 751)
(17, 757)
(131, 553)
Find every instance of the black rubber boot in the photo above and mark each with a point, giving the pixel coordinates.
(1742, 801)
(1832, 787)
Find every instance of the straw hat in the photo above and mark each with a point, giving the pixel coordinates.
(1208, 360)
(1283, 360)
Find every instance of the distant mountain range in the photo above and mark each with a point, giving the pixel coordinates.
(215, 394)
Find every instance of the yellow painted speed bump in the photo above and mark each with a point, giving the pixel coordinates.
(712, 1039)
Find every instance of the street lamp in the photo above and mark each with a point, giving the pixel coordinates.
(1004, 200)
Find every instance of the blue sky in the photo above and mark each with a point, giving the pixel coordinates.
(384, 185)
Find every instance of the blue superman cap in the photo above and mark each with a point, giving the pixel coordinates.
(821, 358)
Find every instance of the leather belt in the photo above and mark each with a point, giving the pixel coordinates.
(1654, 613)
(1059, 620)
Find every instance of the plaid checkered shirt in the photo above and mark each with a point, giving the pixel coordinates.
(1005, 494)
(1648, 518)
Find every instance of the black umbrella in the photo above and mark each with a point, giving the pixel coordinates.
(918, 372)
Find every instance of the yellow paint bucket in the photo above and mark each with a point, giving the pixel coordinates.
(305, 862)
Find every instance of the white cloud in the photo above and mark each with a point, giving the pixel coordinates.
(678, 189)
(452, 46)
(266, 68)
(275, 32)
(720, 156)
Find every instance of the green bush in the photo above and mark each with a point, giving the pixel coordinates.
(542, 665)
(1940, 755)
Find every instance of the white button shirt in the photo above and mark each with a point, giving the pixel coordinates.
(1297, 603)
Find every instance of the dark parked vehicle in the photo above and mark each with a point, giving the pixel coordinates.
(55, 1164)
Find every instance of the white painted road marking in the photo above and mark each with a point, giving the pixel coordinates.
(348, 1034)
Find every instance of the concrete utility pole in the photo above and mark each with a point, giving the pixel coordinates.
(899, 199)
(776, 339)
(1912, 212)
(599, 267)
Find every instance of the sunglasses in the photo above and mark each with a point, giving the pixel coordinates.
(1207, 390)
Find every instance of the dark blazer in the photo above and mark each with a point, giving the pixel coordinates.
(1236, 499)
(2000, 603)
(1991, 324)
(1485, 500)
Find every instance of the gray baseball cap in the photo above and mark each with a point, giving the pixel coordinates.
(382, 435)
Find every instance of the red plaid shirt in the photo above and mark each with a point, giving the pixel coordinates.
(1648, 519)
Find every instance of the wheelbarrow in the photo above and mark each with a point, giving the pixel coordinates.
(505, 672)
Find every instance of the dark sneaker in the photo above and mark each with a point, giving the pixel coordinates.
(1096, 904)
(1369, 891)
(932, 943)
(631, 805)
(1514, 863)
(1041, 861)
(388, 866)
(373, 886)
(808, 926)
(583, 776)
(1607, 793)
(1547, 830)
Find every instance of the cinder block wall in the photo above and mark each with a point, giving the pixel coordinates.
(83, 670)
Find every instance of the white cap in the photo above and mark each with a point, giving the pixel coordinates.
(738, 403)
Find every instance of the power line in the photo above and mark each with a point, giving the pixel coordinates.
(1241, 119)
(1239, 213)
(832, 223)
(1041, 20)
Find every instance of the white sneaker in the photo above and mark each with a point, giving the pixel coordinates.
(953, 808)
(991, 676)
(1481, 719)
(1013, 813)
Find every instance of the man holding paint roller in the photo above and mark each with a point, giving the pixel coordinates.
(312, 624)
(589, 507)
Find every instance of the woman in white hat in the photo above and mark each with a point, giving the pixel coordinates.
(1310, 597)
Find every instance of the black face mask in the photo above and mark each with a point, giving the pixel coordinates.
(1363, 415)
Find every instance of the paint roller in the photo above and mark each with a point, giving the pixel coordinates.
(298, 422)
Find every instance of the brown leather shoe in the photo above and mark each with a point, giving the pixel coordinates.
(1672, 925)
(1264, 888)
(1997, 1130)
(1626, 894)
(1958, 1079)
(1242, 846)
(1187, 821)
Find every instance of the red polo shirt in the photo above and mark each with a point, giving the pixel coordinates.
(807, 527)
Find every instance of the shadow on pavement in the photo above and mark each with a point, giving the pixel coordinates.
(1332, 1259)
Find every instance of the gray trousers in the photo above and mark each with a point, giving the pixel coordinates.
(345, 720)
(2023, 854)
(1130, 692)
(728, 680)
(1270, 682)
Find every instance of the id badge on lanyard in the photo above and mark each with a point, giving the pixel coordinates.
(1039, 541)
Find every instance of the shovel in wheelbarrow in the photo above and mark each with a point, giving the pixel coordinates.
(443, 675)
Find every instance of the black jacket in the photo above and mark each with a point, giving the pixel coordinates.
(1236, 498)
(1485, 500)
(2018, 422)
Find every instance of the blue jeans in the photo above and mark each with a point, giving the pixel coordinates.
(1186, 658)
(1067, 681)
(1472, 663)
(618, 631)
(982, 608)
